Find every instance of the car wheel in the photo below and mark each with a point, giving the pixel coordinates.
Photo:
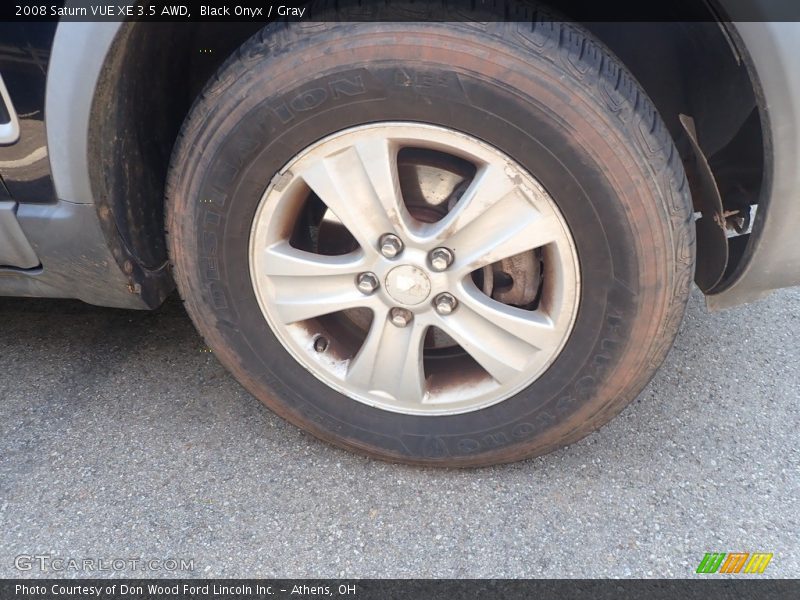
(435, 243)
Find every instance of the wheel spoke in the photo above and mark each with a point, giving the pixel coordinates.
(494, 219)
(500, 339)
(308, 285)
(298, 299)
(360, 185)
(489, 186)
(535, 328)
(505, 230)
(390, 361)
(282, 259)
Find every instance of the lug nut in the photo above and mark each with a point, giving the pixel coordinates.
(391, 245)
(441, 258)
(321, 344)
(367, 283)
(445, 303)
(400, 317)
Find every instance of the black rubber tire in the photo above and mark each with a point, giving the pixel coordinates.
(545, 93)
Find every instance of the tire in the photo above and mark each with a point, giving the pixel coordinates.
(548, 96)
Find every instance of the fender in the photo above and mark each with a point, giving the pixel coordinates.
(62, 211)
(771, 259)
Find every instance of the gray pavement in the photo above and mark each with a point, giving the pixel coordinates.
(120, 438)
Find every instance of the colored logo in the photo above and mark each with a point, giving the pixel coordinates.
(734, 562)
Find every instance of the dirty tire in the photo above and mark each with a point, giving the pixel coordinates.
(545, 93)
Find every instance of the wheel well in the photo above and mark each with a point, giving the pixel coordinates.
(701, 70)
(153, 73)
(151, 76)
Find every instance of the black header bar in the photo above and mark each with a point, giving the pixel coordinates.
(396, 10)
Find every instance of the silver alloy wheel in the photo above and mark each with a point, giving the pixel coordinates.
(387, 328)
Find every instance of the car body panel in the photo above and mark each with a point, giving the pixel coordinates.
(772, 256)
(50, 183)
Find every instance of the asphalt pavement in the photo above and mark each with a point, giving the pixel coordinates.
(121, 438)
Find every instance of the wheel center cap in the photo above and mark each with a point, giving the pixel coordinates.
(408, 284)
